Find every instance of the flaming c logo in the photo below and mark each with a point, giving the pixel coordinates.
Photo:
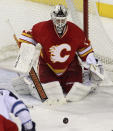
(55, 52)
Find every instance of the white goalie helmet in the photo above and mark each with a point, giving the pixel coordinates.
(59, 17)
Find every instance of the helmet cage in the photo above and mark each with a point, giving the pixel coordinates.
(60, 21)
(59, 17)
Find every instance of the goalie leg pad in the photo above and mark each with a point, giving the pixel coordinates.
(24, 86)
(20, 86)
(78, 92)
(31, 87)
(54, 93)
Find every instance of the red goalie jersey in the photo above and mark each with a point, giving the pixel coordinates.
(58, 52)
(58, 59)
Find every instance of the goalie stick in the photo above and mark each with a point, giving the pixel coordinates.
(35, 79)
(38, 85)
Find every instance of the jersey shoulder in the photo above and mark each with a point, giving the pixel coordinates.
(40, 29)
(42, 25)
(74, 27)
(74, 30)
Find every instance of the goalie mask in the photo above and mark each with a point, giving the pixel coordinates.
(59, 17)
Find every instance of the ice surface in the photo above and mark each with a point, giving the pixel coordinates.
(95, 113)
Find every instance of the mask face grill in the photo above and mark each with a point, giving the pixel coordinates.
(59, 17)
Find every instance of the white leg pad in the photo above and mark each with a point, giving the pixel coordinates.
(20, 86)
(24, 86)
(54, 93)
(78, 92)
(31, 87)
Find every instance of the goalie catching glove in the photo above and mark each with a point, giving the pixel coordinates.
(95, 67)
(97, 71)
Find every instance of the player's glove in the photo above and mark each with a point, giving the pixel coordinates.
(32, 129)
(86, 77)
(95, 66)
(97, 71)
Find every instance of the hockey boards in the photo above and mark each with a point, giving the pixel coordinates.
(35, 79)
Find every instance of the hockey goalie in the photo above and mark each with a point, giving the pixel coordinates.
(62, 75)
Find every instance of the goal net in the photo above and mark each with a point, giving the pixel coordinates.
(19, 15)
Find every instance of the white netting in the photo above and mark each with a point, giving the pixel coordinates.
(102, 44)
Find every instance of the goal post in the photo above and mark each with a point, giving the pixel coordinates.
(85, 18)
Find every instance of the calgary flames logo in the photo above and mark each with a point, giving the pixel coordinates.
(55, 53)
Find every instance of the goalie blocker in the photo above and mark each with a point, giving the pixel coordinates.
(24, 60)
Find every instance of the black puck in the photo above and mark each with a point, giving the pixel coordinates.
(65, 120)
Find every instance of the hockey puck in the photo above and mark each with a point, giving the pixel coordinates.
(65, 120)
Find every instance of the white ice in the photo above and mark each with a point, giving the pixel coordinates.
(94, 113)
